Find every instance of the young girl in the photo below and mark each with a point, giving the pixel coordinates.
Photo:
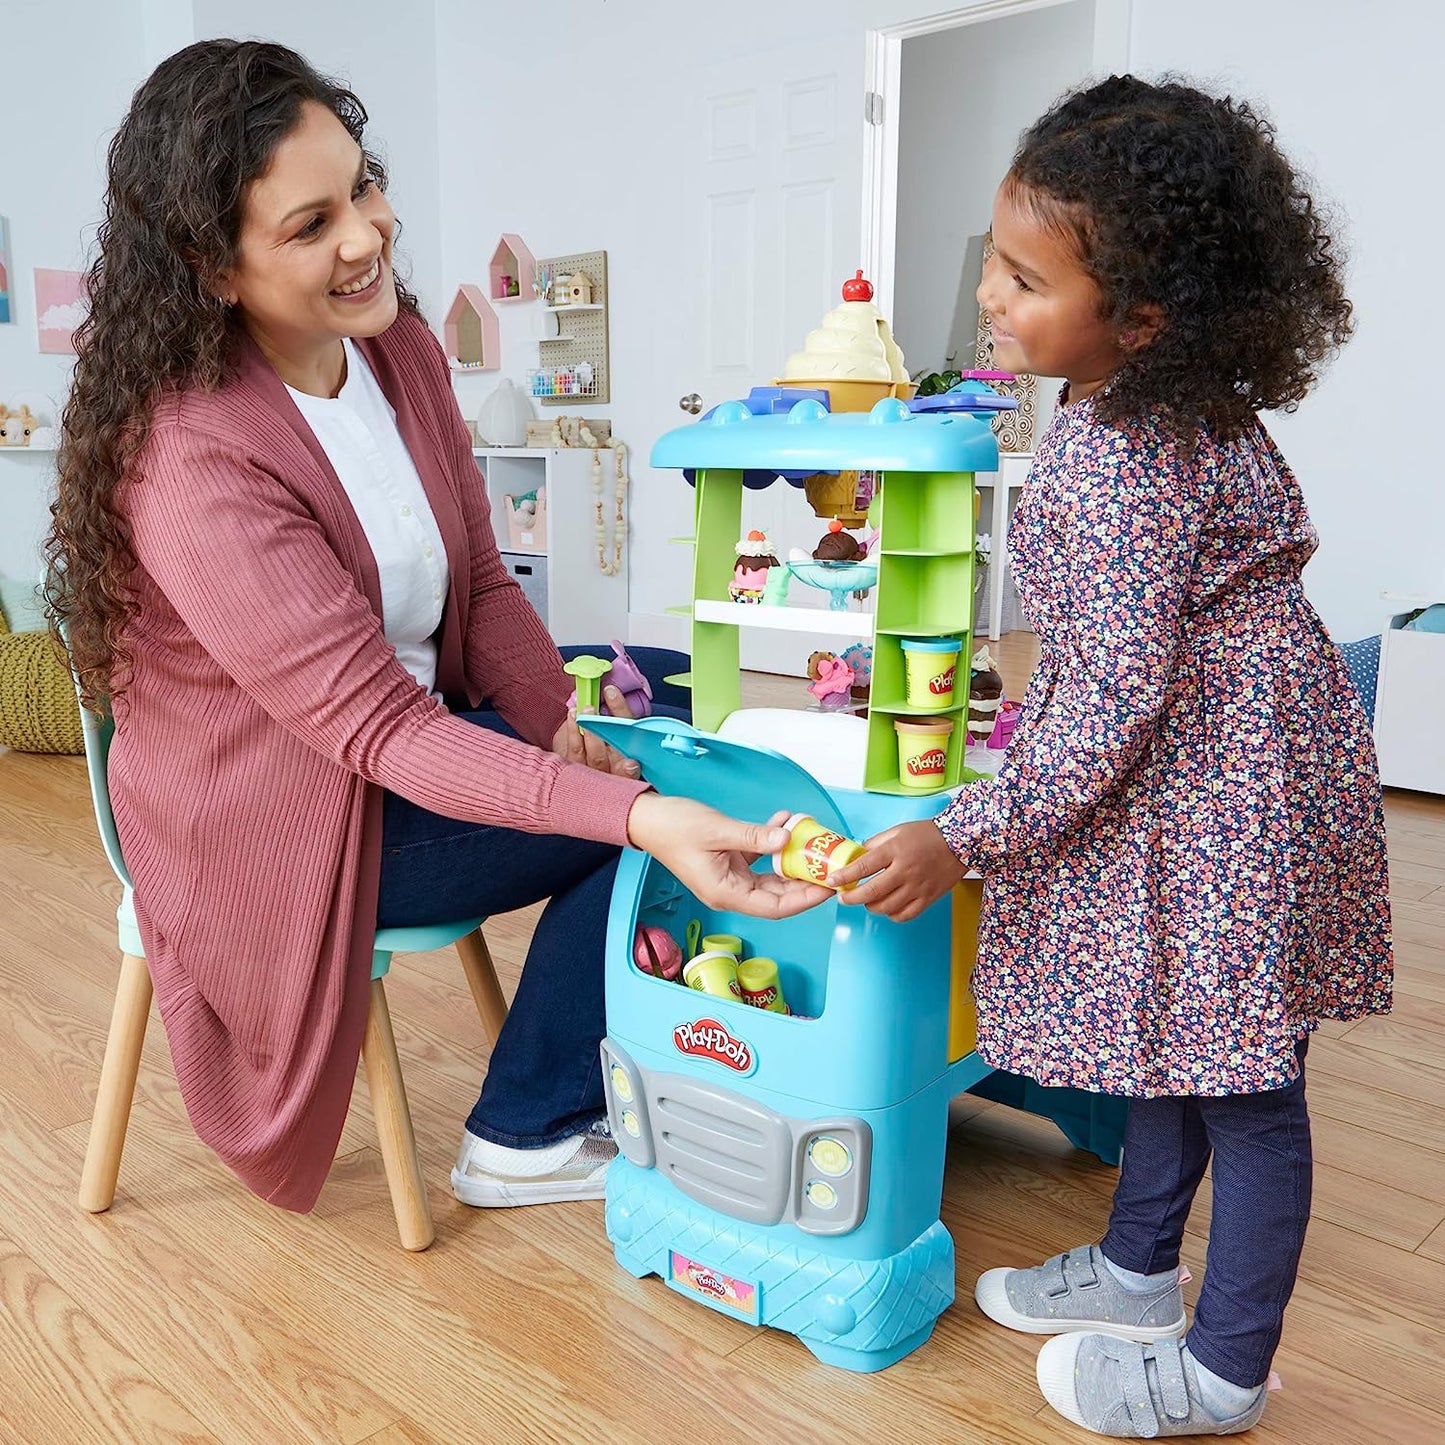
(1185, 852)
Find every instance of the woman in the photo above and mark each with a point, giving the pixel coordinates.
(271, 552)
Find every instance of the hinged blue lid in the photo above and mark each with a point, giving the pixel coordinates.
(745, 782)
(811, 439)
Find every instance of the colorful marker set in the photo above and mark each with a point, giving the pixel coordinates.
(576, 380)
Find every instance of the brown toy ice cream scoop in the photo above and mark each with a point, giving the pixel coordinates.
(838, 546)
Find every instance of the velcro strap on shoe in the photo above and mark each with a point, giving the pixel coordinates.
(1173, 1387)
(1051, 1277)
(1081, 1270)
(1134, 1383)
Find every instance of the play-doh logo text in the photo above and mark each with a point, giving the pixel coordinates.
(708, 1039)
(933, 761)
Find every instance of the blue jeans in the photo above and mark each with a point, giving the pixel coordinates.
(1263, 1172)
(544, 1081)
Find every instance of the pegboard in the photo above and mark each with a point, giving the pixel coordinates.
(586, 330)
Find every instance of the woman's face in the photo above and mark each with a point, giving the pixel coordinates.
(1045, 309)
(314, 260)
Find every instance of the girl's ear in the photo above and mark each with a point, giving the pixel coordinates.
(1145, 323)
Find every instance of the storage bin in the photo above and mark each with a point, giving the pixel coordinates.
(531, 574)
(526, 534)
(1409, 705)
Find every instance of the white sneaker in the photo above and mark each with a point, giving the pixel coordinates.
(491, 1176)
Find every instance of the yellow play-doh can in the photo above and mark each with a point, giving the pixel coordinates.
(922, 751)
(813, 851)
(930, 665)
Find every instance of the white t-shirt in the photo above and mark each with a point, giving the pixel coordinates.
(357, 430)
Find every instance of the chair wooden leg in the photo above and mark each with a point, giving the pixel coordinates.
(393, 1126)
(117, 1085)
(482, 979)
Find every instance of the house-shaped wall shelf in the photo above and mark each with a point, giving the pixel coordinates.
(473, 338)
(512, 270)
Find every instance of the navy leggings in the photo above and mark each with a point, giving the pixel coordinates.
(1263, 1169)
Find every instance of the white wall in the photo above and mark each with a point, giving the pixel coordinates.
(567, 125)
(59, 101)
(1354, 91)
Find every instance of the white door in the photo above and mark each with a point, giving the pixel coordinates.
(772, 197)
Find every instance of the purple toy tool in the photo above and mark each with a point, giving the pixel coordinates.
(629, 678)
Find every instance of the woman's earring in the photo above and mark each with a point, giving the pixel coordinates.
(1127, 339)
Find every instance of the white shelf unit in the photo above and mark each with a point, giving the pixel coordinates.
(1005, 487)
(574, 598)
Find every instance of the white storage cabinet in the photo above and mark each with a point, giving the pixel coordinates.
(561, 578)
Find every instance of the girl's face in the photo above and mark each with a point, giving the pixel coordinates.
(1044, 307)
(314, 260)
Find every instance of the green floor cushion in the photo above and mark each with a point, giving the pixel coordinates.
(38, 710)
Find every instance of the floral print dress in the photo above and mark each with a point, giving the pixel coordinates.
(1184, 852)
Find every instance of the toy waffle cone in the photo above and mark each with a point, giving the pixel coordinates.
(834, 494)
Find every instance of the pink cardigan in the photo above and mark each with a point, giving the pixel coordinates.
(263, 716)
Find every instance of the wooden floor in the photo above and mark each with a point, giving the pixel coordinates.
(194, 1312)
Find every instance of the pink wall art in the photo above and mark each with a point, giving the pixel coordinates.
(60, 306)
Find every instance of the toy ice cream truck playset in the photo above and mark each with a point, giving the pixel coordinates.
(779, 1090)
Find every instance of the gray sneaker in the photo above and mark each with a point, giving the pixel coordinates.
(1078, 1291)
(1131, 1391)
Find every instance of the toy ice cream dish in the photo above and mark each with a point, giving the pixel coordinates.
(755, 560)
(813, 851)
(852, 355)
(930, 663)
(922, 751)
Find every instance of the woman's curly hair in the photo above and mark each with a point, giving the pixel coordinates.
(199, 131)
(1183, 201)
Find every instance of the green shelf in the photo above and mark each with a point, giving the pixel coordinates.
(680, 679)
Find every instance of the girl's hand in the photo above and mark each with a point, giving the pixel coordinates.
(588, 749)
(710, 854)
(906, 869)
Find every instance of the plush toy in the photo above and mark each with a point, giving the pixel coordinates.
(17, 427)
(985, 693)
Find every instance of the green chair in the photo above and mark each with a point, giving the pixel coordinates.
(396, 1138)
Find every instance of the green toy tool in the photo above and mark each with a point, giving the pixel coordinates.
(589, 672)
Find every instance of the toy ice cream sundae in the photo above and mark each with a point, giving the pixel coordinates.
(755, 559)
(838, 545)
(852, 354)
(985, 693)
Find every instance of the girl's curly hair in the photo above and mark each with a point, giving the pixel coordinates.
(1182, 201)
(199, 131)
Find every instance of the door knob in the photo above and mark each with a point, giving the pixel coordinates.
(692, 403)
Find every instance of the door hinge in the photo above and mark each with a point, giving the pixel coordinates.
(872, 107)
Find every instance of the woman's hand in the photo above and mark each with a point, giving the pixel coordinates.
(905, 869)
(711, 854)
(588, 749)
